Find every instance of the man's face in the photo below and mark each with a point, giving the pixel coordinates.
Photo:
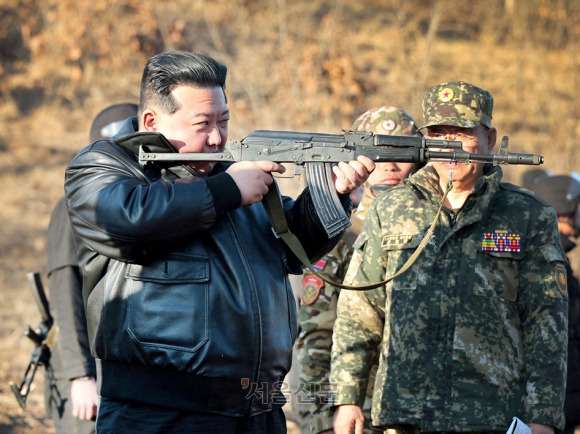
(200, 125)
(390, 173)
(478, 140)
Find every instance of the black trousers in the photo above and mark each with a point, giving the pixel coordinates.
(122, 417)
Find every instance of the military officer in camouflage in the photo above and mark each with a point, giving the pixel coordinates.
(318, 307)
(475, 331)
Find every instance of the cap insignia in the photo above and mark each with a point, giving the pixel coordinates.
(389, 125)
(446, 94)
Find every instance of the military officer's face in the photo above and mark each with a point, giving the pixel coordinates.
(478, 140)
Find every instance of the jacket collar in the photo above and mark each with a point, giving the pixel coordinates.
(131, 139)
(427, 181)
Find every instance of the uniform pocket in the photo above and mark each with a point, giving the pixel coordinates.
(168, 302)
(497, 274)
(399, 248)
(356, 259)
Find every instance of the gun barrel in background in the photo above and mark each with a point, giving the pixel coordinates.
(40, 297)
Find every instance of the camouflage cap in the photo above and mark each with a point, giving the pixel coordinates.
(387, 120)
(457, 104)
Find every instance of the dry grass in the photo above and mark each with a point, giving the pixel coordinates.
(301, 65)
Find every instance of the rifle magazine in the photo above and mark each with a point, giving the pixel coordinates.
(326, 201)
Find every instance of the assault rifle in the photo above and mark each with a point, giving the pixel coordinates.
(316, 152)
(43, 337)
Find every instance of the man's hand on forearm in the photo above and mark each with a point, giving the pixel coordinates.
(349, 176)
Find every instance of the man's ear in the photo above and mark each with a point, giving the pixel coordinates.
(491, 139)
(149, 120)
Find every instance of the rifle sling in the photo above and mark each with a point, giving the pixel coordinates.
(273, 204)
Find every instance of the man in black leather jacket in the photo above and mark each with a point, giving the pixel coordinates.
(190, 313)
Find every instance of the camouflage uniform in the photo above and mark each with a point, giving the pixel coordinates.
(475, 332)
(318, 308)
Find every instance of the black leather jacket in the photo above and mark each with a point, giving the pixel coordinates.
(187, 299)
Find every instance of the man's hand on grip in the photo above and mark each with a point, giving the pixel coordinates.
(253, 178)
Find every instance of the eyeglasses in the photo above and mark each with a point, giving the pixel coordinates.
(462, 136)
(453, 136)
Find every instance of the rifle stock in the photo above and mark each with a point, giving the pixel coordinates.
(318, 151)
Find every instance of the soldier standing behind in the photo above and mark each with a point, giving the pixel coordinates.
(318, 308)
(475, 331)
(563, 193)
(70, 388)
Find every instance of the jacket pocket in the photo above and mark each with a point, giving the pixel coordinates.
(168, 302)
(399, 248)
(497, 274)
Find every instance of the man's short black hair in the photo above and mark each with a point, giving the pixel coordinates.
(163, 72)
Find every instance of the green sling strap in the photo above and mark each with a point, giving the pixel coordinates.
(273, 204)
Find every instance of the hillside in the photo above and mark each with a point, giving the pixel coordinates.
(293, 65)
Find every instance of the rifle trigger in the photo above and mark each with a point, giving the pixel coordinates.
(297, 169)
